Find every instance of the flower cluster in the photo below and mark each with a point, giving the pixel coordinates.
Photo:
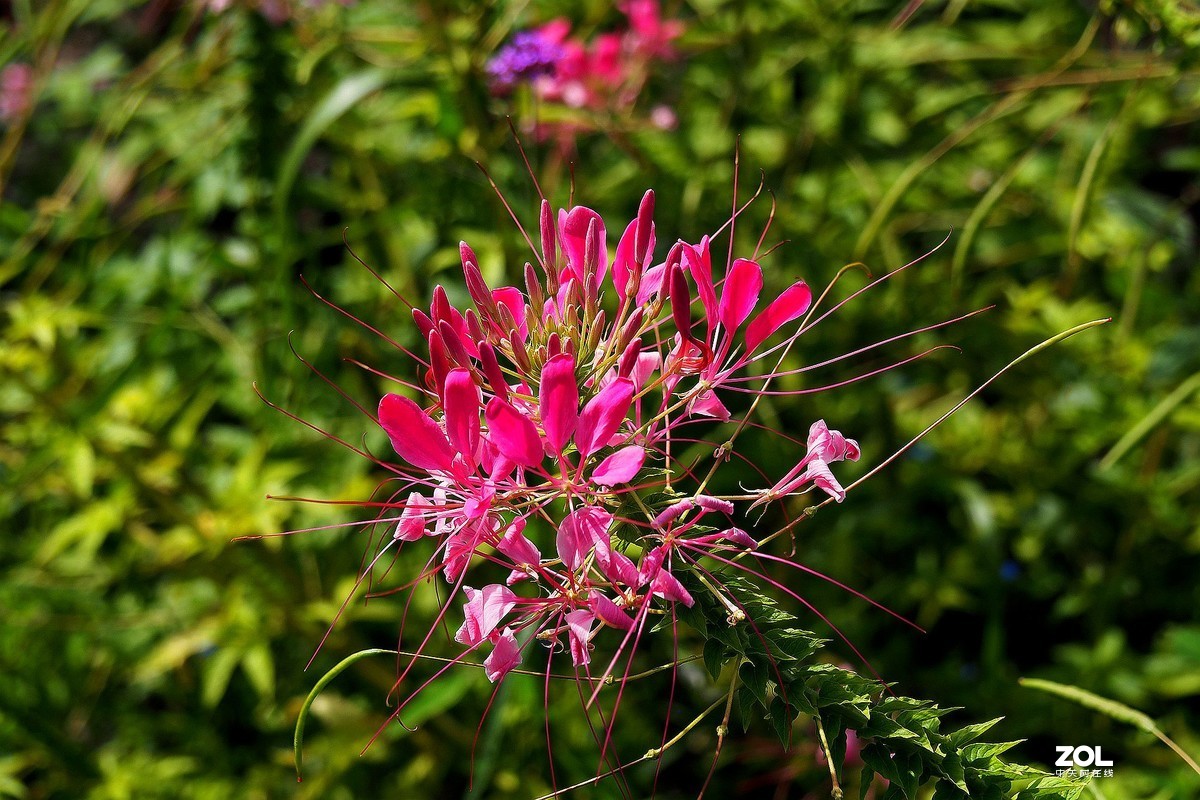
(606, 74)
(553, 407)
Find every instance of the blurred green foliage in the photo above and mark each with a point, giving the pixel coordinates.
(178, 170)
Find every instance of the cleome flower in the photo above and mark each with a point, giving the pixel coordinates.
(552, 407)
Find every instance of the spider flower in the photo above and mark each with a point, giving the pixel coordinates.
(540, 440)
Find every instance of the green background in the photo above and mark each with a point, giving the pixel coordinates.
(180, 170)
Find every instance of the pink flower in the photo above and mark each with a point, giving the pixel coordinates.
(16, 91)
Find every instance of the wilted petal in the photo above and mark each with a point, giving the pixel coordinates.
(673, 511)
(620, 467)
(579, 628)
(830, 445)
(794, 301)
(579, 532)
(615, 565)
(461, 401)
(513, 433)
(505, 656)
(603, 415)
(740, 293)
(740, 538)
(412, 520)
(484, 610)
(650, 564)
(415, 436)
(668, 587)
(558, 400)
(609, 612)
(818, 471)
(717, 504)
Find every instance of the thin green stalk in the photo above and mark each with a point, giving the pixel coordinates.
(1149, 422)
(1109, 708)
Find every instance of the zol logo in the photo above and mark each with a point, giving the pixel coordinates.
(1084, 759)
(1082, 756)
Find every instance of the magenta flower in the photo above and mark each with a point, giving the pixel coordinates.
(540, 452)
(602, 76)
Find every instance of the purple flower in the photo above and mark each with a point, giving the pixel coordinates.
(527, 56)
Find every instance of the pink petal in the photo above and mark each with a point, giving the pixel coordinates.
(412, 520)
(668, 587)
(609, 612)
(794, 301)
(830, 445)
(818, 471)
(579, 532)
(652, 284)
(707, 404)
(519, 549)
(415, 436)
(558, 400)
(512, 432)
(615, 565)
(698, 261)
(603, 415)
(505, 656)
(620, 467)
(740, 538)
(512, 297)
(461, 401)
(647, 365)
(740, 293)
(574, 226)
(484, 610)
(717, 504)
(624, 263)
(579, 628)
(461, 544)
